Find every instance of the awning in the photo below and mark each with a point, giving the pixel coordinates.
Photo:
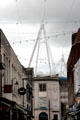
(14, 105)
(31, 116)
(7, 101)
(21, 108)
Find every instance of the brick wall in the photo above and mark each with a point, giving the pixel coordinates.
(72, 60)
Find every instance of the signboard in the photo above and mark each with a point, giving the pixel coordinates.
(22, 91)
(43, 103)
(43, 107)
(7, 88)
(5, 108)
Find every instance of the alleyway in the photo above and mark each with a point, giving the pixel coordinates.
(39, 60)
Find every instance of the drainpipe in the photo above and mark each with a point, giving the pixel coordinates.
(0, 69)
(23, 95)
(11, 114)
(49, 110)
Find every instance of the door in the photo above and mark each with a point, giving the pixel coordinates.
(43, 116)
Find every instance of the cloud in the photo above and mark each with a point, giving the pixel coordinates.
(32, 10)
(61, 19)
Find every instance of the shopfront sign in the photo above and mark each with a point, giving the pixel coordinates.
(43, 103)
(22, 91)
(7, 88)
(5, 108)
(43, 107)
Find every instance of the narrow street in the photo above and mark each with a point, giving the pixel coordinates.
(39, 60)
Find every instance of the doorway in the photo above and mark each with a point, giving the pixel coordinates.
(43, 116)
(55, 117)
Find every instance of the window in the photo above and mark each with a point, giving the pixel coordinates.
(42, 87)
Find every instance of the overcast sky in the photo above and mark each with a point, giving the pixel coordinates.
(20, 20)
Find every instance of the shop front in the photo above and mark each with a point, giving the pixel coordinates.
(9, 110)
(6, 107)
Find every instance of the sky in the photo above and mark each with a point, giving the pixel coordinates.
(20, 20)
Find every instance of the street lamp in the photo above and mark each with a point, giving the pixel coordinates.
(49, 109)
(15, 85)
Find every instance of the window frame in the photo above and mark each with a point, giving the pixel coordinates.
(42, 87)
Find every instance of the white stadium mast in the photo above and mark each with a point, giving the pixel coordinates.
(38, 43)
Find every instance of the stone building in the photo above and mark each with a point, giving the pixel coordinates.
(28, 84)
(12, 74)
(46, 91)
(13, 92)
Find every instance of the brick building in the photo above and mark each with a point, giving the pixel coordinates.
(72, 60)
(73, 74)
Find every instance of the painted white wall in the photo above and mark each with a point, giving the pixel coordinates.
(77, 76)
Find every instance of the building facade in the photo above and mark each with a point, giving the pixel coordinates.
(72, 61)
(13, 87)
(63, 95)
(28, 84)
(46, 91)
(73, 73)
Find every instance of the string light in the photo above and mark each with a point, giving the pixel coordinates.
(48, 37)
